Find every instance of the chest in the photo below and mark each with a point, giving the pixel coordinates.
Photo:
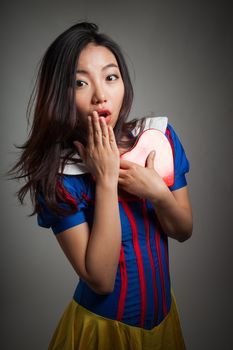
(137, 217)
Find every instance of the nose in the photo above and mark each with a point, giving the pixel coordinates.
(99, 96)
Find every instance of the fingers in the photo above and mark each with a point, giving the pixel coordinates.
(112, 140)
(90, 131)
(104, 129)
(126, 164)
(122, 173)
(97, 132)
(121, 182)
(150, 160)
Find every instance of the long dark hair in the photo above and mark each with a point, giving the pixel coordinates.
(54, 124)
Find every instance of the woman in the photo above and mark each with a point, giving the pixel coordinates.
(111, 217)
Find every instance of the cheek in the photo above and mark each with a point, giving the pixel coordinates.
(120, 95)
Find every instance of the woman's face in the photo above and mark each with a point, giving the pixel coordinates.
(99, 85)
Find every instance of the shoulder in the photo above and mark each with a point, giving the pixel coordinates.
(181, 162)
(173, 138)
(80, 187)
(76, 190)
(75, 181)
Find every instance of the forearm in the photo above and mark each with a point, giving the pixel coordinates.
(175, 220)
(103, 251)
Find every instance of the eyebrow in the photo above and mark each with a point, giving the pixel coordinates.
(105, 67)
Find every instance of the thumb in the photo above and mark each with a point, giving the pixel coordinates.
(80, 149)
(150, 160)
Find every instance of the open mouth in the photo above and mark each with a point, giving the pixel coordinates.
(104, 113)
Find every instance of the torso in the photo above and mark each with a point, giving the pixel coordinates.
(141, 295)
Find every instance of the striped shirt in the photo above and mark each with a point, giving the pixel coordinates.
(142, 291)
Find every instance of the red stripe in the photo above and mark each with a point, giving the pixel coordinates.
(139, 262)
(66, 194)
(171, 141)
(124, 284)
(87, 198)
(157, 242)
(147, 227)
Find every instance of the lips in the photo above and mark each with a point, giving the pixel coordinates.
(103, 112)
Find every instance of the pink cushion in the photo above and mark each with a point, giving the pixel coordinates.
(149, 140)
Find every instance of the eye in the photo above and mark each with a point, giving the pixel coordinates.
(79, 83)
(114, 76)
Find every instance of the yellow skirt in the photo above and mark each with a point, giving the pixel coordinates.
(80, 329)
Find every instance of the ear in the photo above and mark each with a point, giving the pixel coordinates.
(150, 160)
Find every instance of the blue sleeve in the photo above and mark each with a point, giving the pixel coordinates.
(58, 223)
(181, 163)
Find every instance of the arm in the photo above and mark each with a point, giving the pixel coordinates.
(174, 213)
(95, 255)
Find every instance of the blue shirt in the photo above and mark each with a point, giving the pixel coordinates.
(142, 291)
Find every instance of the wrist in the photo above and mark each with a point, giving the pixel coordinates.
(107, 184)
(161, 197)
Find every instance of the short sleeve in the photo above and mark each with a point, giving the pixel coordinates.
(181, 163)
(75, 187)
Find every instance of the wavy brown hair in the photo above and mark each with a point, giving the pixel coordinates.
(54, 126)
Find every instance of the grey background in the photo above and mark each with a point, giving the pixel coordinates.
(180, 58)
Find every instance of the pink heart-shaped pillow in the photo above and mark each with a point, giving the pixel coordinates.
(149, 140)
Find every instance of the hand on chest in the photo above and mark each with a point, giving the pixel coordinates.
(149, 140)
